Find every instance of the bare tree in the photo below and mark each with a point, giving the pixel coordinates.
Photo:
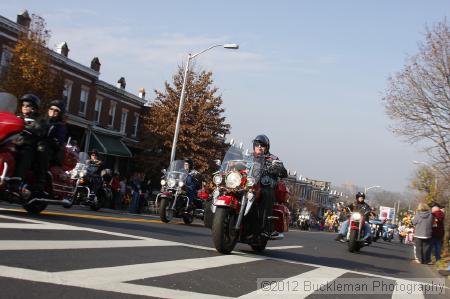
(418, 99)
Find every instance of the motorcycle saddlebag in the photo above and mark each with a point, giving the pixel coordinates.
(281, 192)
(283, 214)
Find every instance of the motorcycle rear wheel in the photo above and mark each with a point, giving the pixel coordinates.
(35, 208)
(259, 247)
(223, 232)
(208, 214)
(165, 213)
(188, 219)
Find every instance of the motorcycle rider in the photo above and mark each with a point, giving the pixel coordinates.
(192, 180)
(272, 167)
(56, 134)
(28, 151)
(358, 205)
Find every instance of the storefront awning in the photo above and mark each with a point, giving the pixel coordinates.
(109, 145)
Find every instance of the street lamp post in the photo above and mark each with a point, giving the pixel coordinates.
(367, 189)
(180, 107)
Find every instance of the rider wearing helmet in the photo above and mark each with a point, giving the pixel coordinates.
(358, 206)
(192, 180)
(27, 143)
(273, 169)
(56, 134)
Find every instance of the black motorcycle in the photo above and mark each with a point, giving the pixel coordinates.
(173, 201)
(91, 189)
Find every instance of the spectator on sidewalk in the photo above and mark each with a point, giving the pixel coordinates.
(115, 188)
(135, 185)
(423, 222)
(437, 230)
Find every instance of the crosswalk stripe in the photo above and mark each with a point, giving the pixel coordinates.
(75, 244)
(316, 277)
(141, 271)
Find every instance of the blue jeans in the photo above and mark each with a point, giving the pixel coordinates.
(134, 205)
(436, 245)
(344, 229)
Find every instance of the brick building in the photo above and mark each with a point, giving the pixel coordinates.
(99, 115)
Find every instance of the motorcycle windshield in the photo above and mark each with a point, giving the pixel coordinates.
(177, 171)
(83, 156)
(8, 102)
(236, 160)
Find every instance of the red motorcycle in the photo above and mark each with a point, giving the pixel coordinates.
(59, 185)
(236, 204)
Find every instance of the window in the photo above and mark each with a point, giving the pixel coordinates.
(123, 121)
(5, 59)
(67, 92)
(111, 114)
(135, 124)
(83, 100)
(98, 110)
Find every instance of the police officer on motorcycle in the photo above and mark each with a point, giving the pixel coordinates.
(273, 168)
(192, 180)
(358, 205)
(28, 151)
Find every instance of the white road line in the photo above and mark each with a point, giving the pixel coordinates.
(98, 276)
(21, 219)
(75, 244)
(284, 247)
(134, 289)
(37, 226)
(317, 276)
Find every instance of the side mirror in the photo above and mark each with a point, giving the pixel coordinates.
(217, 162)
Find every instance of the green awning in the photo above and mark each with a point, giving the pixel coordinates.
(109, 145)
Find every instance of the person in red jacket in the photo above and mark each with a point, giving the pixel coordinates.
(115, 188)
(437, 230)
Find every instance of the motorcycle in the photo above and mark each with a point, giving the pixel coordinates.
(388, 232)
(173, 200)
(236, 201)
(59, 186)
(355, 233)
(303, 222)
(90, 189)
(376, 226)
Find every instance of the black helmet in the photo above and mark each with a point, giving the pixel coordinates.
(59, 104)
(262, 139)
(190, 162)
(360, 194)
(93, 151)
(31, 98)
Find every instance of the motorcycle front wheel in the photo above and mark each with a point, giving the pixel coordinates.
(223, 232)
(165, 212)
(353, 244)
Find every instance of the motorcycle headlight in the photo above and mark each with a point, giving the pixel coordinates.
(163, 182)
(233, 180)
(250, 182)
(356, 216)
(171, 183)
(180, 184)
(217, 179)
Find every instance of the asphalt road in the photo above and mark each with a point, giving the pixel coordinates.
(77, 253)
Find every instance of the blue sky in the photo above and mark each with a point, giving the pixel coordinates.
(309, 74)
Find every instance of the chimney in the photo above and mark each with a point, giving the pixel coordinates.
(95, 64)
(24, 19)
(63, 49)
(142, 93)
(121, 83)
